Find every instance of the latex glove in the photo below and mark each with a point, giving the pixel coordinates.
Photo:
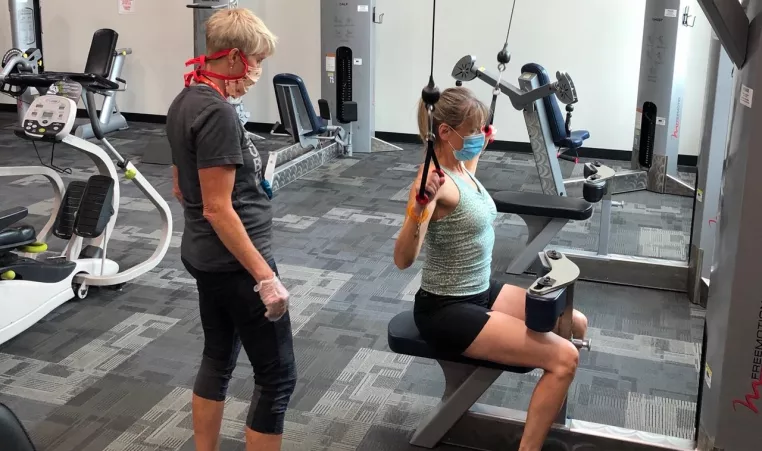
(275, 297)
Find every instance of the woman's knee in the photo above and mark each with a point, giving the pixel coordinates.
(566, 361)
(213, 378)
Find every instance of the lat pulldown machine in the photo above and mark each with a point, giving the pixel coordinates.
(730, 378)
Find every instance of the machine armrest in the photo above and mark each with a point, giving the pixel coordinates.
(12, 216)
(543, 205)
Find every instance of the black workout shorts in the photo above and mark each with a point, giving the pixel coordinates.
(452, 323)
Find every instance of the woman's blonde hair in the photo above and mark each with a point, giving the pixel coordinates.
(239, 28)
(456, 106)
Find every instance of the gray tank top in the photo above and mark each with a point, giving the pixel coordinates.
(459, 246)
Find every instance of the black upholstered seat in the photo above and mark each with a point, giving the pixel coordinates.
(13, 436)
(405, 339)
(542, 205)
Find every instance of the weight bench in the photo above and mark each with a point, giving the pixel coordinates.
(316, 140)
(458, 419)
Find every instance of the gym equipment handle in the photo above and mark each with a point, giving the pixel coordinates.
(92, 112)
(207, 5)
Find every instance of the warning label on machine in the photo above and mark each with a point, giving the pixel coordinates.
(747, 96)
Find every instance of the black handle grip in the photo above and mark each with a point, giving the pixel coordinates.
(92, 112)
(206, 6)
(567, 158)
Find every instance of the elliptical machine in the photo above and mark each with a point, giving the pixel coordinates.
(84, 214)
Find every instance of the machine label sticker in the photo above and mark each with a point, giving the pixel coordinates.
(708, 375)
(639, 119)
(358, 61)
(330, 63)
(126, 6)
(661, 121)
(747, 96)
(670, 13)
(699, 195)
(362, 8)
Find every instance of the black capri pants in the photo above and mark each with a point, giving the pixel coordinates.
(232, 314)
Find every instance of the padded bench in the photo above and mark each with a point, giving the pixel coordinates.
(295, 107)
(14, 237)
(404, 338)
(545, 215)
(13, 435)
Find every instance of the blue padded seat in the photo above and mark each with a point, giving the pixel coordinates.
(318, 124)
(556, 118)
(404, 338)
(542, 205)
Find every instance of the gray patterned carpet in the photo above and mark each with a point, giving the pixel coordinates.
(113, 372)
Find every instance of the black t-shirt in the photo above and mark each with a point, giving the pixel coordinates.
(204, 131)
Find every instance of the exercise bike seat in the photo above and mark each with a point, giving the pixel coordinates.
(13, 436)
(16, 237)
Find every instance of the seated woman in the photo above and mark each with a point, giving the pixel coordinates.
(459, 307)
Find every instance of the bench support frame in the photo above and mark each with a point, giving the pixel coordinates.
(541, 233)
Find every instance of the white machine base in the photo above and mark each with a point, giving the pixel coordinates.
(24, 303)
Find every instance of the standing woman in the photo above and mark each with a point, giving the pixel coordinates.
(227, 240)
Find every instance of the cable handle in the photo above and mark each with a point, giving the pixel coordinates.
(423, 197)
(430, 96)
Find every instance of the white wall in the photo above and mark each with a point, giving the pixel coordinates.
(159, 33)
(597, 41)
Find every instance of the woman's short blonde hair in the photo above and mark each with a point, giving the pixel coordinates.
(239, 28)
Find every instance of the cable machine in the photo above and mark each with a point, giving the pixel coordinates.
(348, 72)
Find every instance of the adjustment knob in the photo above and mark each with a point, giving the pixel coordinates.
(582, 344)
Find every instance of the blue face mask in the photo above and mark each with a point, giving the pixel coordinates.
(472, 147)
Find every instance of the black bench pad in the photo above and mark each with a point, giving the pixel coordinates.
(543, 205)
(405, 339)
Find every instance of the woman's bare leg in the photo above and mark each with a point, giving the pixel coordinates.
(512, 301)
(506, 339)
